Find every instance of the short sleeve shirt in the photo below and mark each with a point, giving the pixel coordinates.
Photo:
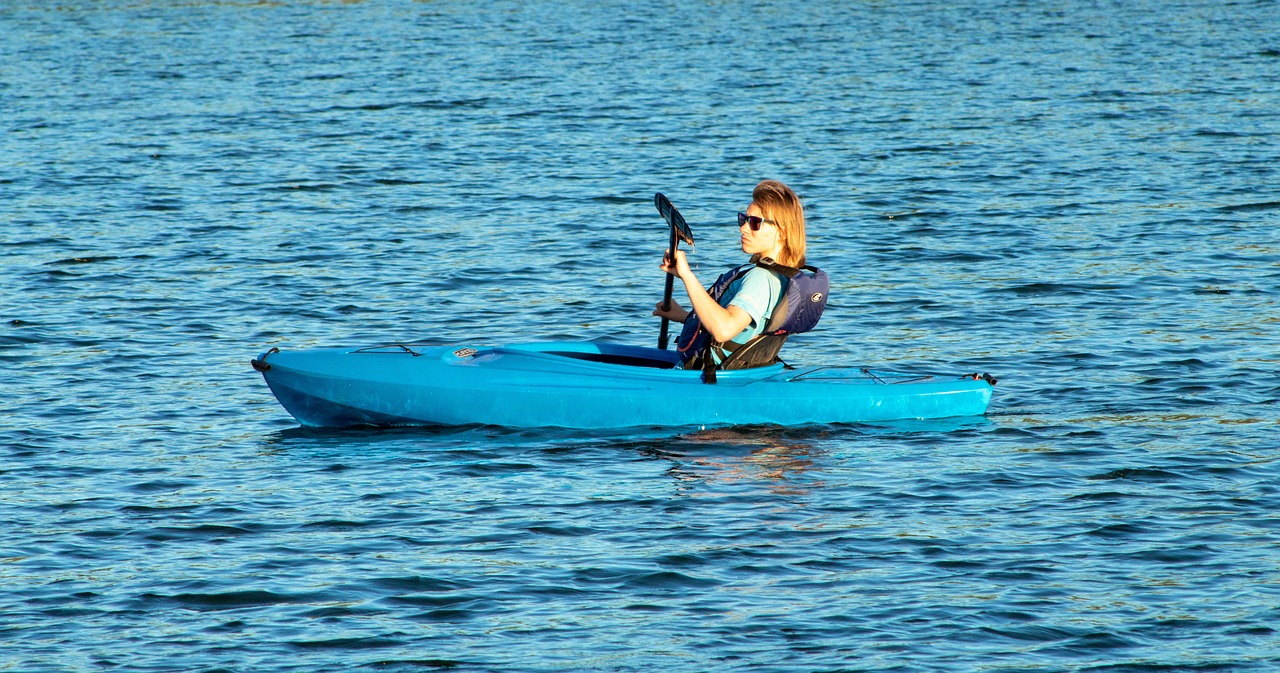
(757, 292)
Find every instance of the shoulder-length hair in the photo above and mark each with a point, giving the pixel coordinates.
(779, 203)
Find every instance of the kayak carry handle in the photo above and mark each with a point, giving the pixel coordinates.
(981, 377)
(261, 364)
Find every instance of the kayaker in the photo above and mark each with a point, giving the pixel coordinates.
(771, 232)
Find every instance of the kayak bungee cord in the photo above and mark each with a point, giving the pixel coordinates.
(375, 349)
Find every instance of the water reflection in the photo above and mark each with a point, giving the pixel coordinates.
(788, 461)
(786, 464)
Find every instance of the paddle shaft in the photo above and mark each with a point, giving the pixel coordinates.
(670, 287)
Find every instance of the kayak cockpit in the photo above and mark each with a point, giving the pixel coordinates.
(617, 359)
(605, 353)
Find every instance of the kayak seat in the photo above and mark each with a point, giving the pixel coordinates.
(760, 351)
(613, 359)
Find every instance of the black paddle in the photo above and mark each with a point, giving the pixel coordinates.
(679, 231)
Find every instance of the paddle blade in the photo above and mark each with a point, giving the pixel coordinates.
(673, 217)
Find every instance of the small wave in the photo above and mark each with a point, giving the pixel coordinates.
(315, 187)
(1094, 642)
(160, 486)
(201, 532)
(370, 643)
(461, 103)
(1250, 207)
(340, 525)
(413, 584)
(923, 149)
(1116, 531)
(1168, 556)
(916, 214)
(1056, 288)
(619, 200)
(1035, 633)
(38, 241)
(1103, 496)
(10, 340)
(1214, 133)
(1107, 96)
(563, 531)
(83, 260)
(232, 600)
(396, 664)
(1137, 474)
(670, 580)
(433, 600)
(965, 257)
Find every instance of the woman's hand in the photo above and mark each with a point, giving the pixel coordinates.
(680, 269)
(676, 313)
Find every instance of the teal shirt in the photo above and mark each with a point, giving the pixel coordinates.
(757, 293)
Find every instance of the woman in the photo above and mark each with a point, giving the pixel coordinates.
(772, 232)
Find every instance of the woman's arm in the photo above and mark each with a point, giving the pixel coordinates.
(720, 322)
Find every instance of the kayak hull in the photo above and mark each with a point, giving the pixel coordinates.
(591, 386)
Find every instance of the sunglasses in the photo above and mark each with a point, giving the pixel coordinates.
(753, 221)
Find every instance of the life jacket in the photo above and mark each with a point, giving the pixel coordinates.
(798, 310)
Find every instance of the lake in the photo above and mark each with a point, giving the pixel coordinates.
(1079, 198)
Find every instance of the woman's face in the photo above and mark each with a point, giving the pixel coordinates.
(766, 241)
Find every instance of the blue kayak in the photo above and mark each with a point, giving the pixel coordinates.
(590, 385)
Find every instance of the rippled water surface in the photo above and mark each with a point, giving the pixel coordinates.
(1077, 197)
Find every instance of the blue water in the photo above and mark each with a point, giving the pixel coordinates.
(1080, 198)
